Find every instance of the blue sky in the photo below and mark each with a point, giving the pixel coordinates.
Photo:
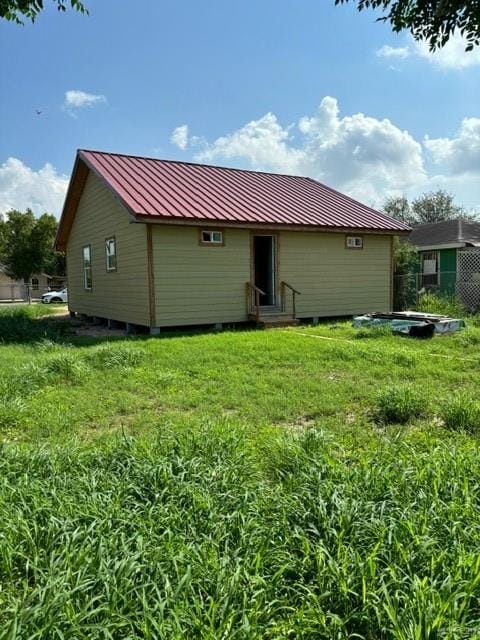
(302, 87)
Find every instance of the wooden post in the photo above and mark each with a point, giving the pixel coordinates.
(294, 309)
(257, 302)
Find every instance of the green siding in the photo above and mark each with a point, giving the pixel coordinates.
(448, 269)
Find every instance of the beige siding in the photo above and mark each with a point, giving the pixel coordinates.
(334, 280)
(118, 295)
(197, 284)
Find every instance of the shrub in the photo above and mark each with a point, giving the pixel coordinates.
(461, 413)
(442, 305)
(399, 405)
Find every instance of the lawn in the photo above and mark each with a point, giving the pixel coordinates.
(312, 482)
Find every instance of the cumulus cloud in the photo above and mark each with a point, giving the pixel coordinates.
(392, 52)
(263, 143)
(451, 56)
(76, 99)
(460, 155)
(361, 155)
(179, 137)
(21, 187)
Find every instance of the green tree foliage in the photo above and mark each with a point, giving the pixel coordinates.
(398, 207)
(434, 206)
(19, 10)
(26, 245)
(434, 21)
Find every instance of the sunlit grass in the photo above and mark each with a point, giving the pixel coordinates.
(311, 482)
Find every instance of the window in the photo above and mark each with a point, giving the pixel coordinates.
(87, 268)
(211, 237)
(430, 260)
(35, 284)
(354, 242)
(111, 254)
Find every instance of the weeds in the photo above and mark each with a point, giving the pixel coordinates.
(442, 305)
(400, 404)
(116, 356)
(461, 413)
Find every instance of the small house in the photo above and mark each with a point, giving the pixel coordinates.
(441, 247)
(163, 243)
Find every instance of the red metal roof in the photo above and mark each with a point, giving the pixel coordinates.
(161, 189)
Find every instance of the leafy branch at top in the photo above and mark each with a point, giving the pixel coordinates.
(19, 10)
(434, 21)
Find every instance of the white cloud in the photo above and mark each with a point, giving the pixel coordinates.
(360, 155)
(75, 99)
(21, 187)
(179, 137)
(451, 56)
(460, 155)
(392, 52)
(262, 143)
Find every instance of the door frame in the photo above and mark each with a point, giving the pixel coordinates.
(276, 247)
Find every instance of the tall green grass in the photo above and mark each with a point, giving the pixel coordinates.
(28, 323)
(225, 532)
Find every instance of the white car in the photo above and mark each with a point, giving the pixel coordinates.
(55, 296)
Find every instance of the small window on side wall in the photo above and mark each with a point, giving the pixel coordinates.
(111, 254)
(87, 268)
(354, 242)
(212, 237)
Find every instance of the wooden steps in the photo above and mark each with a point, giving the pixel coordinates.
(272, 319)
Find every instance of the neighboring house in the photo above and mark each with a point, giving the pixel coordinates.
(11, 289)
(162, 243)
(440, 246)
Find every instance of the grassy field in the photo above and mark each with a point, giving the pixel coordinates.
(313, 482)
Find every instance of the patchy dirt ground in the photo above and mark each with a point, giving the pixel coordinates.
(81, 327)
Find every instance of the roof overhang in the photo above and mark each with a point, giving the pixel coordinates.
(437, 247)
(222, 224)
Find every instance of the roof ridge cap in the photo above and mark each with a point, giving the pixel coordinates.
(195, 164)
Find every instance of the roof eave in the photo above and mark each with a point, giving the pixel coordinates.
(209, 222)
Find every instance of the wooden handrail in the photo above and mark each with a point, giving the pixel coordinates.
(289, 286)
(295, 292)
(258, 292)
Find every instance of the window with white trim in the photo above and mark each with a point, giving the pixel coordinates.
(211, 237)
(430, 264)
(111, 254)
(87, 267)
(354, 242)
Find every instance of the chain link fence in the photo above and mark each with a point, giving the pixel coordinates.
(462, 287)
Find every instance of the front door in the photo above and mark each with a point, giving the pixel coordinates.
(265, 268)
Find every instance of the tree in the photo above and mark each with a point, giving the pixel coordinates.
(399, 208)
(434, 21)
(27, 245)
(18, 10)
(434, 206)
